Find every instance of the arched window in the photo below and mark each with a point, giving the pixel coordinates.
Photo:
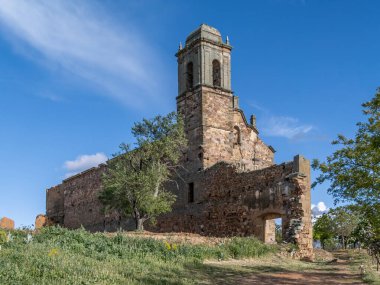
(237, 136)
(189, 76)
(216, 74)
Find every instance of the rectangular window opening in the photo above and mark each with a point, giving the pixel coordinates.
(190, 197)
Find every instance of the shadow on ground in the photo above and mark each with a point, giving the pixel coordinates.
(221, 273)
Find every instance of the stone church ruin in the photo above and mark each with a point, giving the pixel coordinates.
(231, 186)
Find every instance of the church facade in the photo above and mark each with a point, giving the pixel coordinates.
(231, 186)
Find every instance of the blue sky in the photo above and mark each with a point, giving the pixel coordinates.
(75, 75)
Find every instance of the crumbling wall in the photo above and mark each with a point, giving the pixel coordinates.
(7, 224)
(227, 202)
(75, 203)
(232, 203)
(54, 204)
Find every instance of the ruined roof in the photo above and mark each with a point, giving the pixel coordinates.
(204, 32)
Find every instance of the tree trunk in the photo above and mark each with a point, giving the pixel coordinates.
(139, 220)
(140, 224)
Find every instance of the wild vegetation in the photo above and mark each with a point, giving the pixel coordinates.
(61, 256)
(354, 175)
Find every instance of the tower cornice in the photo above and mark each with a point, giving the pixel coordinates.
(200, 41)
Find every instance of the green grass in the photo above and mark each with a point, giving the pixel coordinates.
(60, 256)
(371, 276)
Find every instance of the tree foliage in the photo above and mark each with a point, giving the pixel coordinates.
(344, 221)
(133, 183)
(354, 169)
(322, 229)
(367, 231)
(338, 224)
(354, 174)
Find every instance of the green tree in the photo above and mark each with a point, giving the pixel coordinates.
(323, 229)
(354, 169)
(133, 183)
(367, 231)
(344, 221)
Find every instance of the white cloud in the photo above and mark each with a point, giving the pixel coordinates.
(287, 127)
(82, 40)
(319, 209)
(84, 162)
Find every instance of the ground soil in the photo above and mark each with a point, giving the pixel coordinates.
(328, 268)
(280, 271)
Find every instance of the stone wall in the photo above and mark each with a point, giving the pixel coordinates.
(217, 130)
(55, 203)
(228, 202)
(7, 224)
(75, 203)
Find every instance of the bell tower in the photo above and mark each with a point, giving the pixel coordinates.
(205, 98)
(204, 60)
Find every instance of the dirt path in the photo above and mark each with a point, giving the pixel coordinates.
(282, 272)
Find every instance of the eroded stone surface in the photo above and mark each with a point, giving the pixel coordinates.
(7, 224)
(42, 221)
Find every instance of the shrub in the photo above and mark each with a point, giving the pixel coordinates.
(3, 237)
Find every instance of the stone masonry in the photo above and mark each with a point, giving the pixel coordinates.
(230, 185)
(7, 224)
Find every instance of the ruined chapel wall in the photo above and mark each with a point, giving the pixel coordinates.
(82, 207)
(249, 152)
(55, 204)
(228, 202)
(227, 135)
(299, 218)
(74, 203)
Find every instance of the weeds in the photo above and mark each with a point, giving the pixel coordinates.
(61, 256)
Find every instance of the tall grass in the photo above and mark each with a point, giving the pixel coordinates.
(61, 256)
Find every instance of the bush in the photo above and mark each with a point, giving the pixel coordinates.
(247, 247)
(3, 237)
